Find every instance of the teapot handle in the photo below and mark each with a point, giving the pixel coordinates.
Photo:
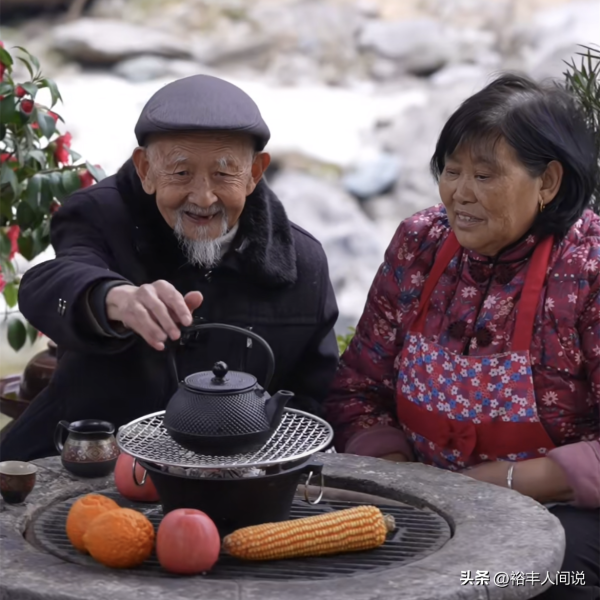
(240, 330)
(58, 434)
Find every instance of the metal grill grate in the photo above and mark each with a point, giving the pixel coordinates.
(419, 533)
(299, 435)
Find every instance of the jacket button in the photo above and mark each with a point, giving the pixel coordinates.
(484, 337)
(457, 329)
(504, 274)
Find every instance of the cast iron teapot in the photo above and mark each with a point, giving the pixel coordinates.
(224, 412)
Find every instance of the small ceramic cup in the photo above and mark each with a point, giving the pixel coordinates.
(17, 479)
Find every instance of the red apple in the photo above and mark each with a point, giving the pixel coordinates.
(127, 487)
(187, 542)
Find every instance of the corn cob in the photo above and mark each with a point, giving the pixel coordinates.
(349, 530)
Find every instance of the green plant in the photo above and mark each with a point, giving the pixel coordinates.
(343, 341)
(583, 81)
(38, 170)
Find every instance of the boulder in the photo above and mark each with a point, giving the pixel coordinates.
(553, 37)
(388, 211)
(147, 68)
(418, 46)
(373, 176)
(107, 41)
(12, 8)
(323, 32)
(352, 242)
(234, 45)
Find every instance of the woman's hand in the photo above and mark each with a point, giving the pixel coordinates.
(539, 478)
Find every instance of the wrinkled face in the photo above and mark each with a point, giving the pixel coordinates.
(201, 179)
(490, 197)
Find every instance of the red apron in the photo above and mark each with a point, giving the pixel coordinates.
(458, 410)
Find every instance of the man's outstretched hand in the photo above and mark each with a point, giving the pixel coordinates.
(155, 311)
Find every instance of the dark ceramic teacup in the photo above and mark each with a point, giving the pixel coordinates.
(17, 479)
(90, 449)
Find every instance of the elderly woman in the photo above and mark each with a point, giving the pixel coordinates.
(479, 347)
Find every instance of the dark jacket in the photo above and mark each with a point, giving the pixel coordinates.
(274, 279)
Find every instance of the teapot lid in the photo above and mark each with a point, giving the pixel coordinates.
(220, 380)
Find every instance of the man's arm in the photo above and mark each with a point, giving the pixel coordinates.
(82, 304)
(55, 295)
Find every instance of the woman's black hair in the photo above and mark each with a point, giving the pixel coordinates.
(541, 123)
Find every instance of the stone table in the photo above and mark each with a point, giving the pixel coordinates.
(494, 530)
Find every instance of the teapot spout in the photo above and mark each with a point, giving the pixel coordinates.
(275, 405)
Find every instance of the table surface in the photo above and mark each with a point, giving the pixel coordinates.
(496, 531)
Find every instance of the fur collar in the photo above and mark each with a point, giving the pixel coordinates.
(263, 248)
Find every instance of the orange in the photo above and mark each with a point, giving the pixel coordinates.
(122, 538)
(82, 513)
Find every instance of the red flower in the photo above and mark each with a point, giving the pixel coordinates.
(86, 179)
(27, 106)
(20, 91)
(61, 154)
(2, 282)
(13, 235)
(6, 157)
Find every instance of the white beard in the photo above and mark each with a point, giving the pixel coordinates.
(201, 251)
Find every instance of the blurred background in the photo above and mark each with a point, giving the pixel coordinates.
(355, 93)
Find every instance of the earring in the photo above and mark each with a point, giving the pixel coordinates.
(542, 206)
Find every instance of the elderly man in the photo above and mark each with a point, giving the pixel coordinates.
(186, 232)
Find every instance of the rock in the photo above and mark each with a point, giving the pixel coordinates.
(389, 211)
(553, 37)
(474, 14)
(292, 69)
(423, 46)
(383, 69)
(368, 8)
(383, 210)
(352, 243)
(324, 32)
(419, 46)
(107, 41)
(328, 124)
(413, 133)
(234, 45)
(373, 176)
(111, 9)
(474, 46)
(12, 8)
(413, 136)
(452, 75)
(577, 21)
(148, 67)
(550, 64)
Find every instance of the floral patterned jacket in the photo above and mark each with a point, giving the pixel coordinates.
(476, 313)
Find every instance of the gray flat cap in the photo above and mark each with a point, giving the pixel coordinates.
(201, 103)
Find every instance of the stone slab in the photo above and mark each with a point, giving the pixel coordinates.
(494, 530)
